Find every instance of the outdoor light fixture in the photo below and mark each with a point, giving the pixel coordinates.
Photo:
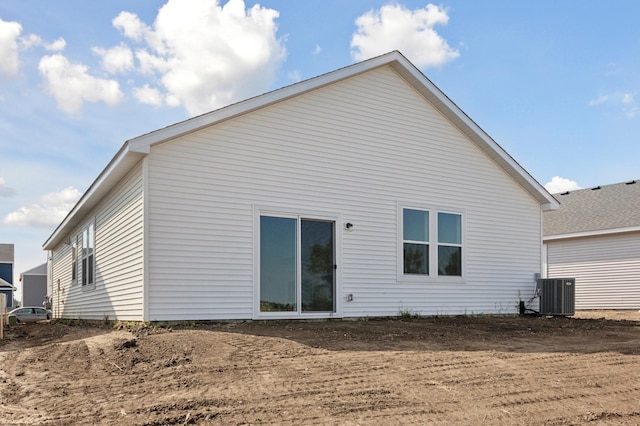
(348, 226)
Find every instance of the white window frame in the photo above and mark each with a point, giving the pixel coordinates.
(432, 276)
(74, 260)
(91, 258)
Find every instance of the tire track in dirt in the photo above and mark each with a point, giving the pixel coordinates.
(566, 383)
(503, 370)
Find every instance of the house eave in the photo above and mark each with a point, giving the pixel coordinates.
(474, 132)
(119, 165)
(7, 285)
(595, 233)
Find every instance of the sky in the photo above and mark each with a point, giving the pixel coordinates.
(555, 83)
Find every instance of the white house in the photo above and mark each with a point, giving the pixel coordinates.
(595, 238)
(361, 192)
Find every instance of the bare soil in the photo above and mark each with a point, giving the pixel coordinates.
(437, 370)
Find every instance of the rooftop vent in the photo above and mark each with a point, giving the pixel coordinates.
(630, 183)
(565, 193)
(595, 188)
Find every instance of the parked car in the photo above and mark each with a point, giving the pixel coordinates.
(29, 314)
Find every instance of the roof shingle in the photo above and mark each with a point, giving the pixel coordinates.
(595, 209)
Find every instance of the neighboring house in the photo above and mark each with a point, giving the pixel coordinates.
(34, 286)
(361, 192)
(6, 272)
(595, 238)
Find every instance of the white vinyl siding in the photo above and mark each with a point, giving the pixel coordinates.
(606, 269)
(118, 259)
(357, 148)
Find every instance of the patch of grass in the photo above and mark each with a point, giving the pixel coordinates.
(408, 313)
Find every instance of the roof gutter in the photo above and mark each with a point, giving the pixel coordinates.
(591, 233)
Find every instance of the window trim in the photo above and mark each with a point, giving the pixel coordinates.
(428, 242)
(88, 285)
(74, 260)
(444, 244)
(433, 243)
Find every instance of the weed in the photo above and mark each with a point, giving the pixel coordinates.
(407, 313)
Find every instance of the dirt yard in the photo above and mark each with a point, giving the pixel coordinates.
(442, 370)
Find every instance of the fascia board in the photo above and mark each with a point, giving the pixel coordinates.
(551, 206)
(599, 232)
(119, 165)
(462, 121)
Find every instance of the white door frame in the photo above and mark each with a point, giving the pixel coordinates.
(298, 213)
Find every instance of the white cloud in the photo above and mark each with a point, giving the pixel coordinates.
(294, 76)
(6, 191)
(30, 41)
(559, 184)
(317, 50)
(148, 95)
(207, 55)
(394, 27)
(9, 33)
(51, 210)
(71, 85)
(57, 45)
(599, 101)
(117, 59)
(130, 25)
(632, 112)
(625, 101)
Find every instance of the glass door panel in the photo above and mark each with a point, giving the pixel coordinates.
(317, 265)
(278, 264)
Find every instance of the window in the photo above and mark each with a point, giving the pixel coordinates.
(422, 228)
(74, 261)
(449, 244)
(88, 259)
(415, 231)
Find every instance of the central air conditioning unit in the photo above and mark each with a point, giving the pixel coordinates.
(557, 296)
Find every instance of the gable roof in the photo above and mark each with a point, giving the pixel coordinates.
(6, 286)
(134, 149)
(38, 270)
(600, 210)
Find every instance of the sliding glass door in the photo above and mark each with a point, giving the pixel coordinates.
(297, 265)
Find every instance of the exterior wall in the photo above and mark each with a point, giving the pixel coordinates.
(7, 253)
(356, 149)
(6, 272)
(606, 269)
(118, 290)
(34, 289)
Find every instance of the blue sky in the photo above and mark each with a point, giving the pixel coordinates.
(556, 84)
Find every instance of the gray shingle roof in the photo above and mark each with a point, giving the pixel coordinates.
(595, 209)
(38, 270)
